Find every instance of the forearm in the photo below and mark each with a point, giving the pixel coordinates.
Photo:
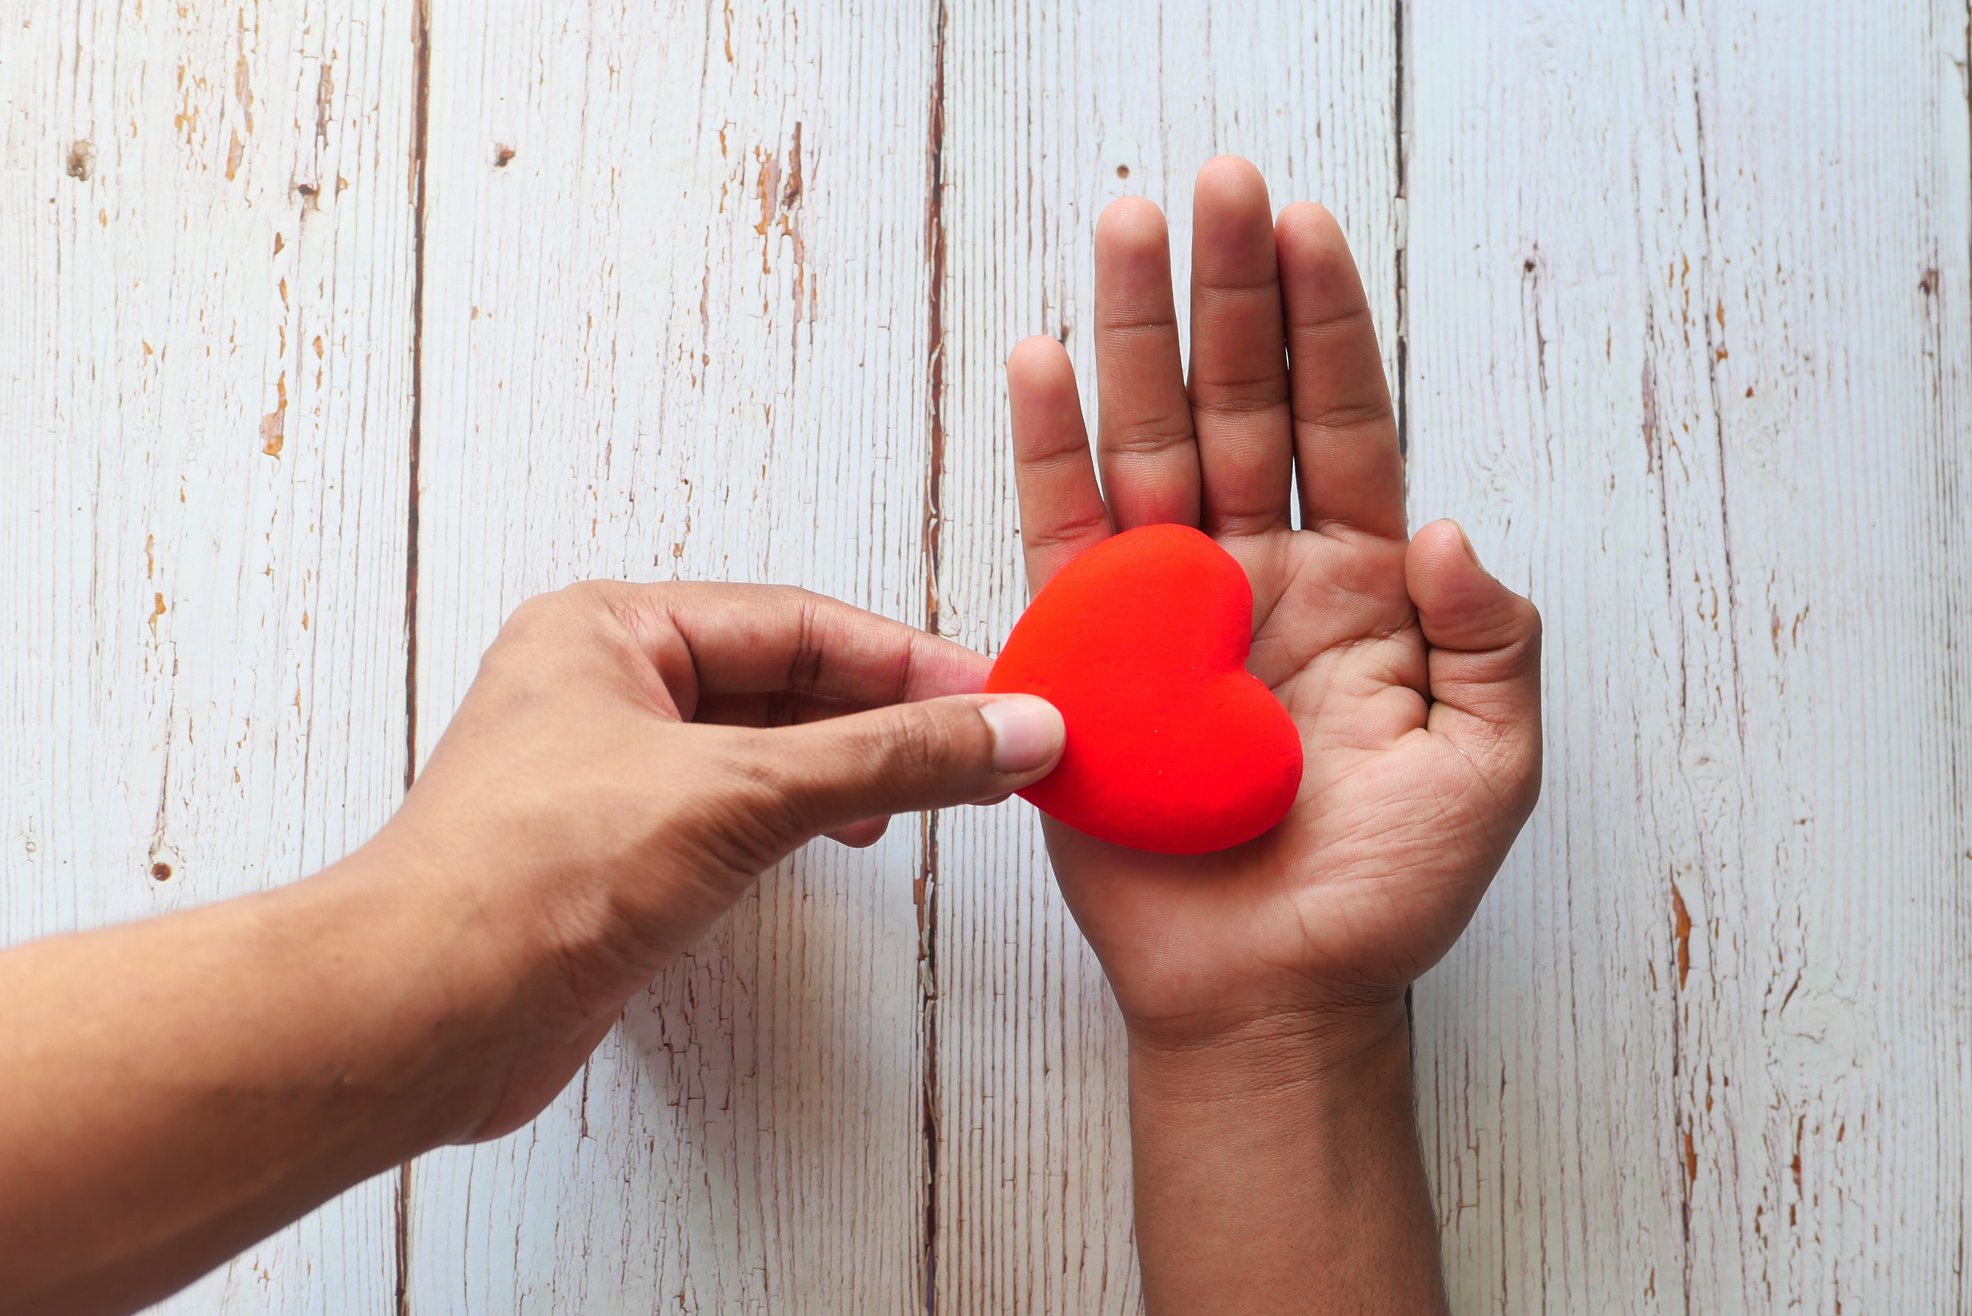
(180, 1087)
(1278, 1171)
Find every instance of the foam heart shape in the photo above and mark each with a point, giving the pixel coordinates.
(1173, 746)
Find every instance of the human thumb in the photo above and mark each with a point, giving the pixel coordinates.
(1485, 658)
(907, 757)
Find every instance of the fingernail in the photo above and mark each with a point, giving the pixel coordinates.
(1466, 539)
(1027, 732)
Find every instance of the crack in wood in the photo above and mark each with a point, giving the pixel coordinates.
(420, 139)
(1398, 111)
(926, 891)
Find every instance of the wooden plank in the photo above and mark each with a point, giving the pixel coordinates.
(206, 238)
(1688, 353)
(1687, 304)
(676, 326)
(1052, 112)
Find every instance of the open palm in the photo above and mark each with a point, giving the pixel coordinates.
(1411, 673)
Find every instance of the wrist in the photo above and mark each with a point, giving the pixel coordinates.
(1285, 1050)
(1279, 1161)
(460, 985)
(495, 935)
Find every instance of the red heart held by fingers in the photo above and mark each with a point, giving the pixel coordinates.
(1173, 746)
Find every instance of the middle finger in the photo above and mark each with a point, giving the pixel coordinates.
(1145, 444)
(1239, 394)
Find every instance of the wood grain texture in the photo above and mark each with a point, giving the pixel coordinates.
(1052, 112)
(1676, 299)
(1687, 297)
(205, 239)
(675, 326)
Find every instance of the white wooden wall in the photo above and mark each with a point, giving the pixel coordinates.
(330, 329)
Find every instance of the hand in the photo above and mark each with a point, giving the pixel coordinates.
(1412, 674)
(627, 760)
(631, 757)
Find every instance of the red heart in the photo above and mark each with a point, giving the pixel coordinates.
(1173, 746)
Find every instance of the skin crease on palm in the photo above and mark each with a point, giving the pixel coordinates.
(1407, 805)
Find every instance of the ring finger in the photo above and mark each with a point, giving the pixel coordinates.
(1145, 444)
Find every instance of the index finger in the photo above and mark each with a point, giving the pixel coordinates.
(1345, 432)
(752, 639)
(1062, 513)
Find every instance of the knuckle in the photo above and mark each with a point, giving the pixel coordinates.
(1244, 523)
(1230, 287)
(1529, 617)
(532, 614)
(789, 597)
(1260, 381)
(587, 602)
(531, 642)
(744, 807)
(1070, 457)
(589, 593)
(1154, 324)
(1070, 529)
(1522, 633)
(595, 603)
(749, 766)
(1344, 417)
(1332, 321)
(1149, 438)
(918, 743)
(804, 669)
(1237, 398)
(556, 611)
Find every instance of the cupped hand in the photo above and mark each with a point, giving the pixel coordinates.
(1412, 674)
(630, 757)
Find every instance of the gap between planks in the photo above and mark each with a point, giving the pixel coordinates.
(420, 138)
(925, 890)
